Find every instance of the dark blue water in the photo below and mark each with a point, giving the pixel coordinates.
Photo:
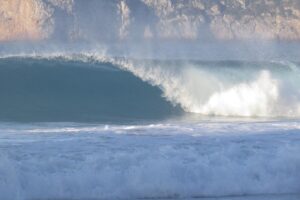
(83, 88)
(58, 90)
(108, 129)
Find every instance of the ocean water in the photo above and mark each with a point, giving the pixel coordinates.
(90, 126)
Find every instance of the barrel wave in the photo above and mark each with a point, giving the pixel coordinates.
(56, 89)
(93, 87)
(149, 100)
(103, 127)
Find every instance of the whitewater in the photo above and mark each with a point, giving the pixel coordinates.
(87, 125)
(214, 88)
(149, 99)
(213, 160)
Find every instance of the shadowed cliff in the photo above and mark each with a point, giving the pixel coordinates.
(149, 19)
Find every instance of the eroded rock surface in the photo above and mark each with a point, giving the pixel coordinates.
(147, 19)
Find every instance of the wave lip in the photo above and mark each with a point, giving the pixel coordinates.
(227, 88)
(246, 90)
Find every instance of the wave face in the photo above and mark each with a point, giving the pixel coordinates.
(134, 148)
(35, 89)
(95, 87)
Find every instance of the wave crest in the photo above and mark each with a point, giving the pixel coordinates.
(241, 89)
(264, 92)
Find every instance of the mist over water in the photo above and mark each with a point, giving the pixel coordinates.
(153, 29)
(163, 88)
(149, 99)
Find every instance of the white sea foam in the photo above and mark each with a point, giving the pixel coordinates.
(262, 92)
(202, 91)
(173, 159)
(167, 160)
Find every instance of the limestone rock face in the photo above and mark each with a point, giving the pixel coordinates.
(30, 19)
(24, 19)
(150, 19)
(257, 19)
(228, 19)
(124, 13)
(63, 4)
(180, 19)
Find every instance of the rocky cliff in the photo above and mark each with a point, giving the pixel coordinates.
(22, 20)
(228, 19)
(150, 19)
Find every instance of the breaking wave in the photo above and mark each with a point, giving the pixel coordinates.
(213, 88)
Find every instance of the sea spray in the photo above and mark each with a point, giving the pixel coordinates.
(245, 89)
